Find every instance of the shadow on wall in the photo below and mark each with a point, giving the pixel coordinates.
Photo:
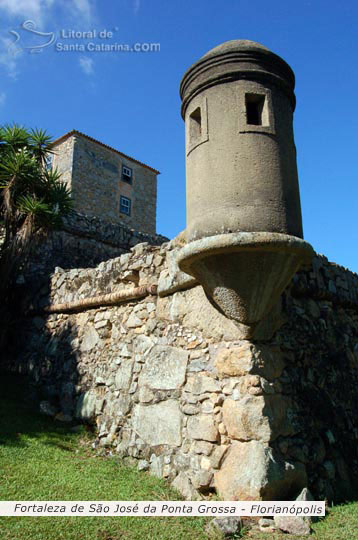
(70, 251)
(86, 241)
(320, 343)
(46, 355)
(20, 418)
(294, 394)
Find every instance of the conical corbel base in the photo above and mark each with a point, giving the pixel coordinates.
(245, 273)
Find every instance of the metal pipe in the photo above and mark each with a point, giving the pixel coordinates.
(103, 300)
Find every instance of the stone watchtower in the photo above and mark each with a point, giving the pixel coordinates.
(244, 227)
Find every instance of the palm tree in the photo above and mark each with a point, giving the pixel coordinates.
(33, 200)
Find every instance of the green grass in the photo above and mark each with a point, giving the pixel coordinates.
(340, 523)
(43, 460)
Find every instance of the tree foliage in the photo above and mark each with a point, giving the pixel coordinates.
(33, 199)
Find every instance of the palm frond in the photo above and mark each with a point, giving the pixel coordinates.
(51, 177)
(28, 204)
(32, 198)
(41, 212)
(56, 193)
(60, 197)
(13, 138)
(40, 143)
(19, 164)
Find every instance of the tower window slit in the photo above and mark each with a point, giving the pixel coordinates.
(195, 125)
(255, 105)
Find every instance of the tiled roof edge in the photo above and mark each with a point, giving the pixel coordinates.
(75, 132)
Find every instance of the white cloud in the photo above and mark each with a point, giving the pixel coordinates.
(2, 98)
(9, 56)
(45, 14)
(34, 9)
(40, 10)
(136, 6)
(84, 9)
(86, 65)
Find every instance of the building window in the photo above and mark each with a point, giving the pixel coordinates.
(48, 162)
(126, 174)
(195, 126)
(256, 110)
(125, 205)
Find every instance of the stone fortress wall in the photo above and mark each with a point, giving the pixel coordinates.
(238, 372)
(86, 241)
(173, 384)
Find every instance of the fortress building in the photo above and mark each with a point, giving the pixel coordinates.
(225, 360)
(244, 225)
(106, 183)
(115, 199)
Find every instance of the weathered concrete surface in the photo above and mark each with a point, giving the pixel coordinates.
(245, 273)
(242, 184)
(230, 188)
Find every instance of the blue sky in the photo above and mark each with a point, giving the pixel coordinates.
(130, 100)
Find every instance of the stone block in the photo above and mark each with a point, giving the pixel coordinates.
(145, 395)
(202, 447)
(182, 484)
(217, 456)
(201, 480)
(173, 279)
(142, 344)
(90, 339)
(202, 427)
(134, 321)
(192, 309)
(201, 384)
(253, 471)
(293, 525)
(225, 527)
(257, 417)
(159, 424)
(164, 369)
(124, 375)
(86, 405)
(123, 405)
(248, 358)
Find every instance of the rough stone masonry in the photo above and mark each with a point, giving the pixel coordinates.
(171, 383)
(239, 376)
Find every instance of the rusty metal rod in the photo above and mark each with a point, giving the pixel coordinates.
(103, 300)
